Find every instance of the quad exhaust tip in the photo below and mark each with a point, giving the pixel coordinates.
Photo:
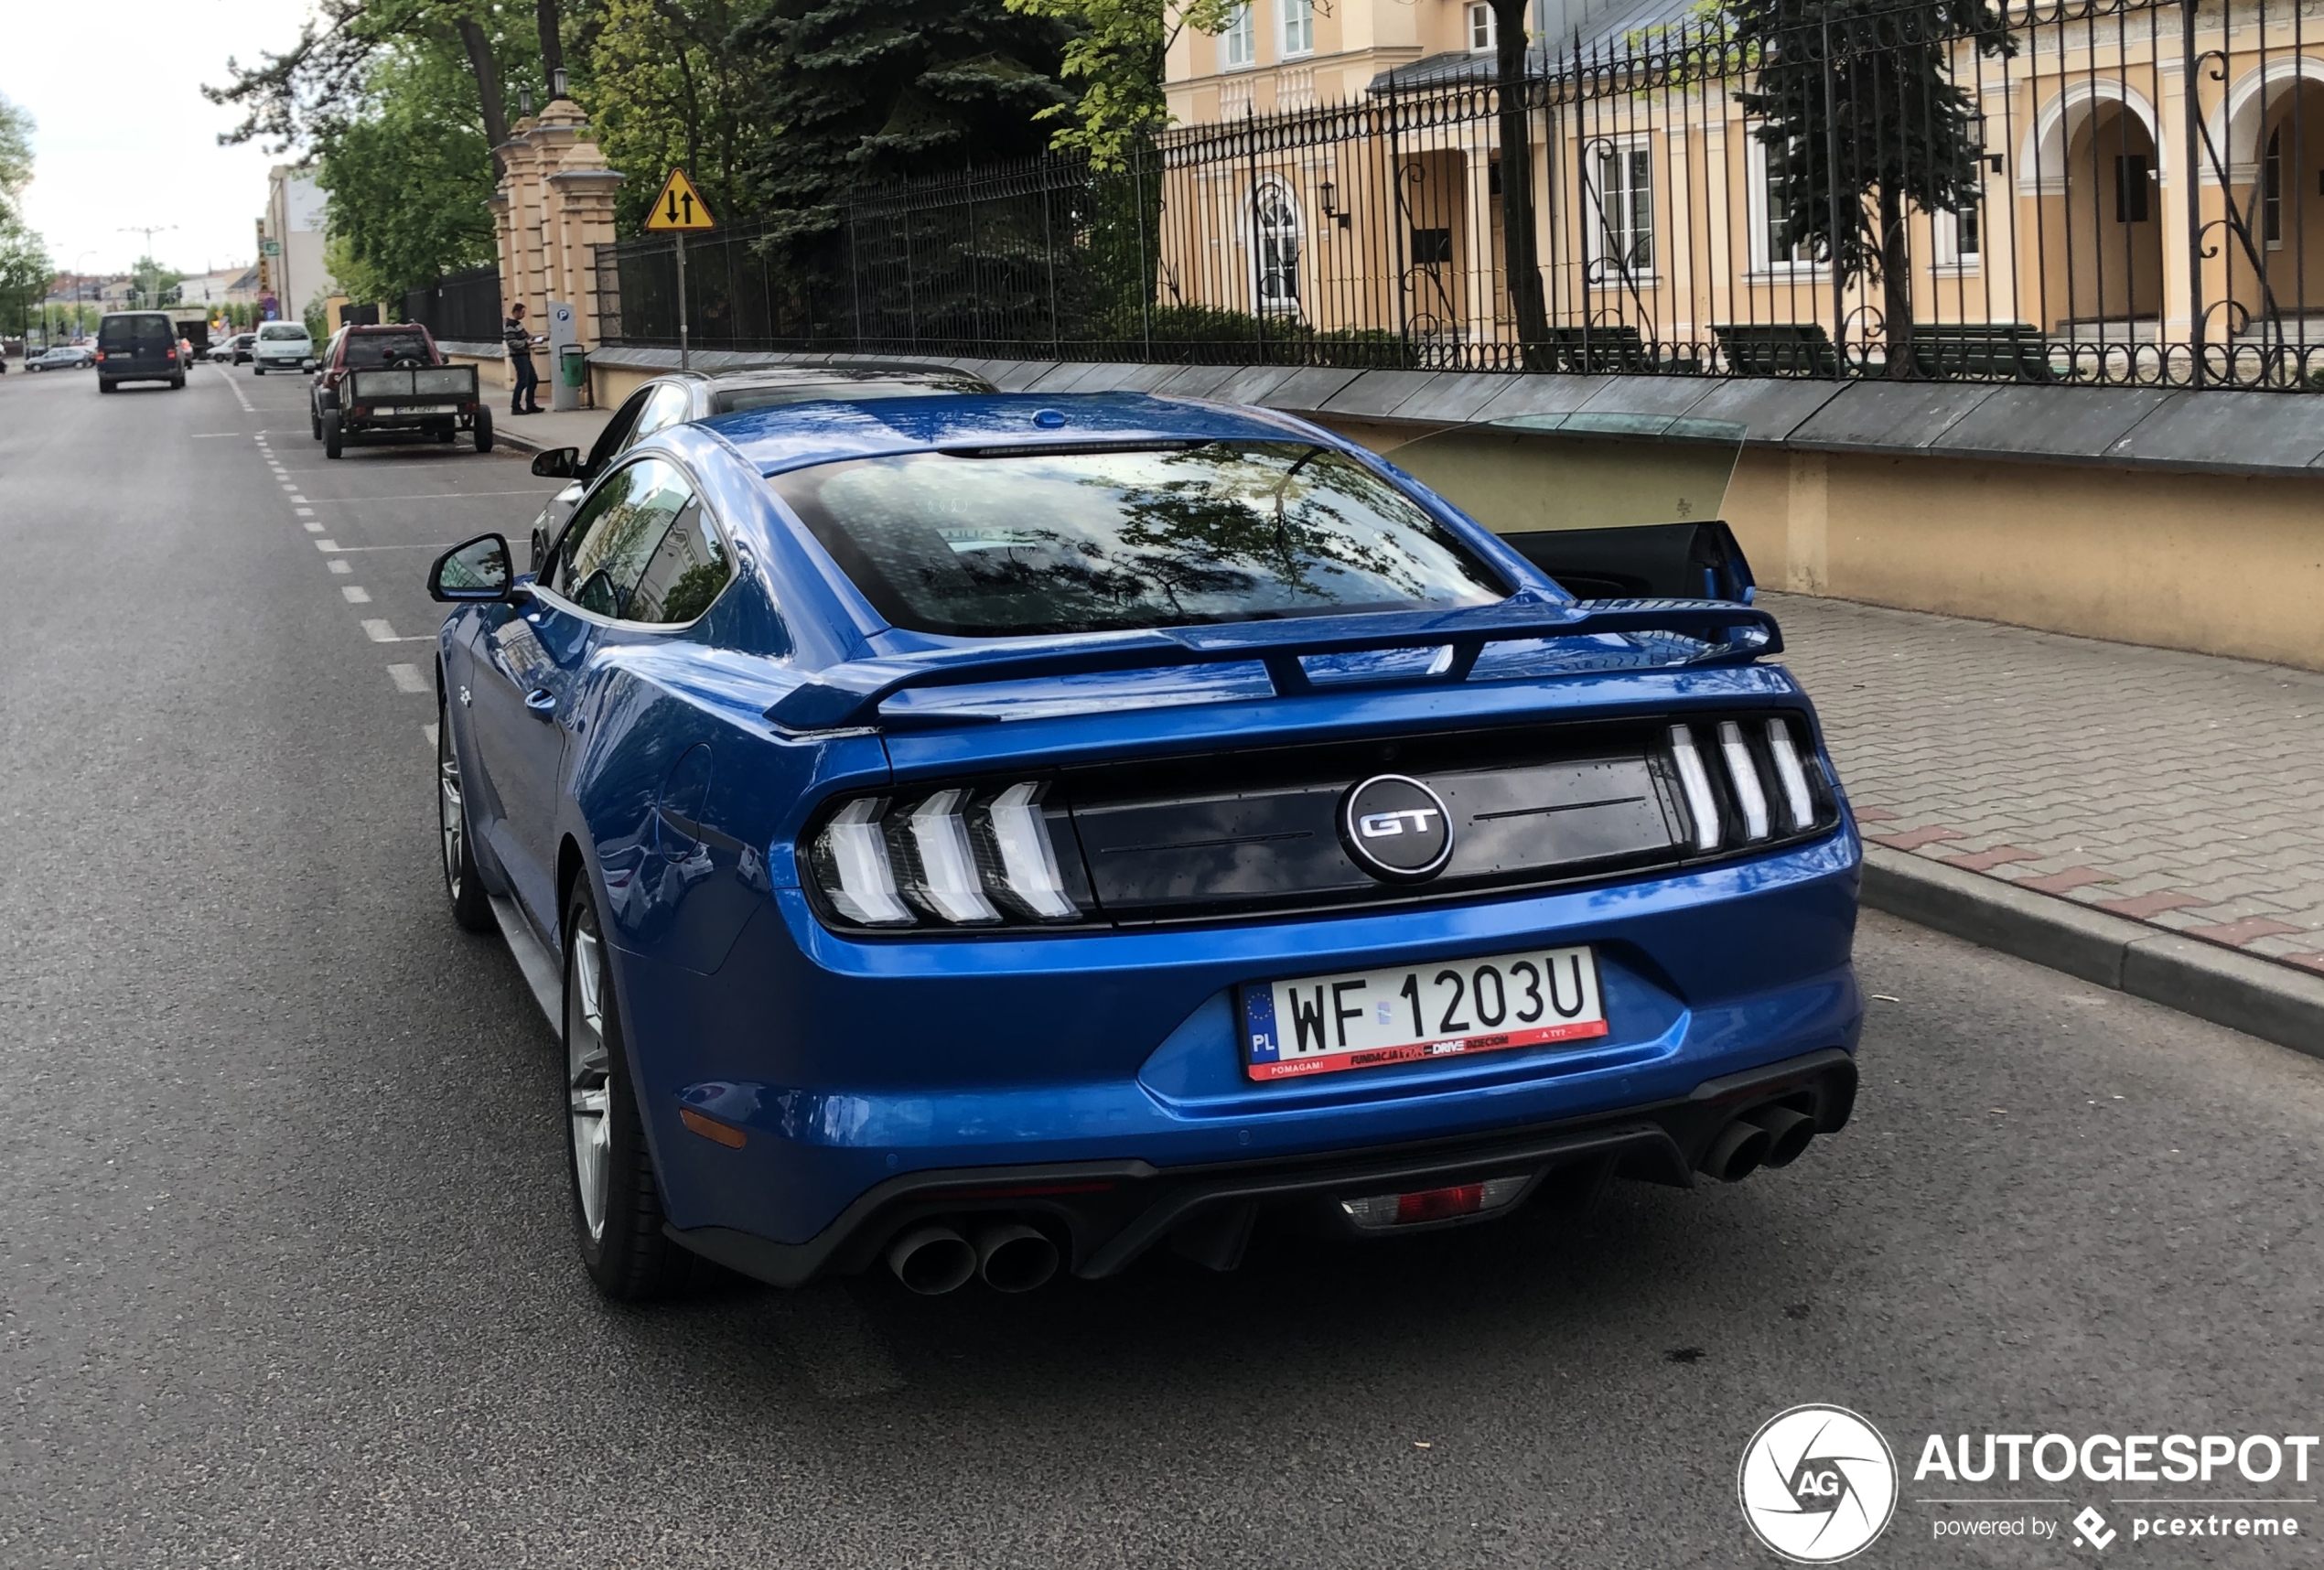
(932, 1260)
(1013, 1257)
(1771, 1136)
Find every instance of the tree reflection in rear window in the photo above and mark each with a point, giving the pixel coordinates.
(1024, 542)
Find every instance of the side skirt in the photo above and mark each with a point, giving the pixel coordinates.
(542, 972)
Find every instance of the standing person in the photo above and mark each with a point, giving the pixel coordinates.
(519, 340)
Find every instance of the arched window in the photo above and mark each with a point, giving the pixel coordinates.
(1276, 222)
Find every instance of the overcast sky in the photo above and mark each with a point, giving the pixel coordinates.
(125, 136)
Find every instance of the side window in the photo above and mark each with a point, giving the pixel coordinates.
(616, 435)
(686, 572)
(670, 405)
(617, 533)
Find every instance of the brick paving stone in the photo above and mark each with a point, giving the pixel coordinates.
(2312, 962)
(1986, 860)
(1913, 839)
(2126, 774)
(2142, 907)
(2240, 932)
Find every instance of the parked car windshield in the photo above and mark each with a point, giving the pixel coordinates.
(369, 350)
(1025, 542)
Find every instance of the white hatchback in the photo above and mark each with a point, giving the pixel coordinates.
(282, 346)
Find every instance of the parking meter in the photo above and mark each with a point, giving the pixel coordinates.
(566, 392)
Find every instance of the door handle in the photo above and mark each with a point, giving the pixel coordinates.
(541, 702)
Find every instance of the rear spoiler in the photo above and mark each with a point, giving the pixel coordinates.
(848, 696)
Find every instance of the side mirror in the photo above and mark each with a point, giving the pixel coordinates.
(558, 463)
(474, 570)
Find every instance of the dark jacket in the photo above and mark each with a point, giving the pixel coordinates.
(516, 337)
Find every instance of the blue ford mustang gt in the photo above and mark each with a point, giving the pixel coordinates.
(990, 833)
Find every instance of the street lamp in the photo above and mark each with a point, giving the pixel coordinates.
(149, 230)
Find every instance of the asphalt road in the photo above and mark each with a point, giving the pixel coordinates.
(285, 1275)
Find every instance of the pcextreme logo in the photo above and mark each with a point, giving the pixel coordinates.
(1818, 1484)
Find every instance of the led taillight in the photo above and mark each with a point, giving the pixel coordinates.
(1799, 802)
(1743, 774)
(851, 856)
(957, 856)
(947, 886)
(1695, 781)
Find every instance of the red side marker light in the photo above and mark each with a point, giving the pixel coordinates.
(711, 1129)
(1381, 1210)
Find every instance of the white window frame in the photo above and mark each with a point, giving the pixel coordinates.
(1944, 228)
(1482, 27)
(1239, 41)
(1598, 207)
(1759, 201)
(1295, 28)
(1267, 236)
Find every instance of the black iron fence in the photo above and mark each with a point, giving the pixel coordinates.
(2108, 191)
(464, 308)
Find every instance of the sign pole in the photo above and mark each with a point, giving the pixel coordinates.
(678, 208)
(685, 357)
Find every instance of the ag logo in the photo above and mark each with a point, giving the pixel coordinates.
(1817, 1484)
(1396, 828)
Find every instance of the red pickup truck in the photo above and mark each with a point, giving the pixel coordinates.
(390, 380)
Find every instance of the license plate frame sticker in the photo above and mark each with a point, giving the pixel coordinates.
(1406, 1014)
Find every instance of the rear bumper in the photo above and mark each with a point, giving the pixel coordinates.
(1110, 1212)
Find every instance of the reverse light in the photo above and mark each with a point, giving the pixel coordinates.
(1377, 1211)
(1744, 775)
(1695, 781)
(851, 866)
(1798, 800)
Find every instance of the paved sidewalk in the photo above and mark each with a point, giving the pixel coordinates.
(539, 433)
(2180, 790)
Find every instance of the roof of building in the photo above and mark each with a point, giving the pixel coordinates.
(1590, 26)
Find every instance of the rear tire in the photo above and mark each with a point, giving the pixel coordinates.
(258, 370)
(484, 430)
(617, 1203)
(177, 382)
(105, 386)
(471, 907)
(333, 442)
(315, 423)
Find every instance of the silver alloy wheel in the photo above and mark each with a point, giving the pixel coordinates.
(587, 1092)
(451, 816)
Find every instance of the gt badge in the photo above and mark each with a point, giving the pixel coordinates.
(1396, 828)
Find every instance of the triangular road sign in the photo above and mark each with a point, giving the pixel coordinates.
(679, 206)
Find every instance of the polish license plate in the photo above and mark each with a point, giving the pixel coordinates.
(1363, 1019)
(399, 409)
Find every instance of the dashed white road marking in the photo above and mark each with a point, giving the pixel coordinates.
(306, 511)
(436, 545)
(357, 593)
(312, 527)
(428, 730)
(327, 544)
(435, 496)
(206, 436)
(406, 678)
(379, 632)
(342, 565)
(298, 500)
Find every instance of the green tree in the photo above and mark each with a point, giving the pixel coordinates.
(664, 90)
(1863, 121)
(26, 272)
(870, 90)
(409, 176)
(1115, 51)
(15, 157)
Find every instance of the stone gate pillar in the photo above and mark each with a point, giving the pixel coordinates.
(555, 207)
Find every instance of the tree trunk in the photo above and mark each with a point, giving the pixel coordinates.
(1896, 284)
(1519, 253)
(552, 44)
(488, 88)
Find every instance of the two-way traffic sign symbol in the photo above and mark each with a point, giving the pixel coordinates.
(679, 207)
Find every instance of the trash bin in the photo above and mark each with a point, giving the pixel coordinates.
(573, 365)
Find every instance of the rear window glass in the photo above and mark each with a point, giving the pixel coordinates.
(282, 329)
(738, 398)
(1029, 542)
(135, 329)
(369, 350)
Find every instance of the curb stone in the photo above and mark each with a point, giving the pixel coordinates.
(2242, 992)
